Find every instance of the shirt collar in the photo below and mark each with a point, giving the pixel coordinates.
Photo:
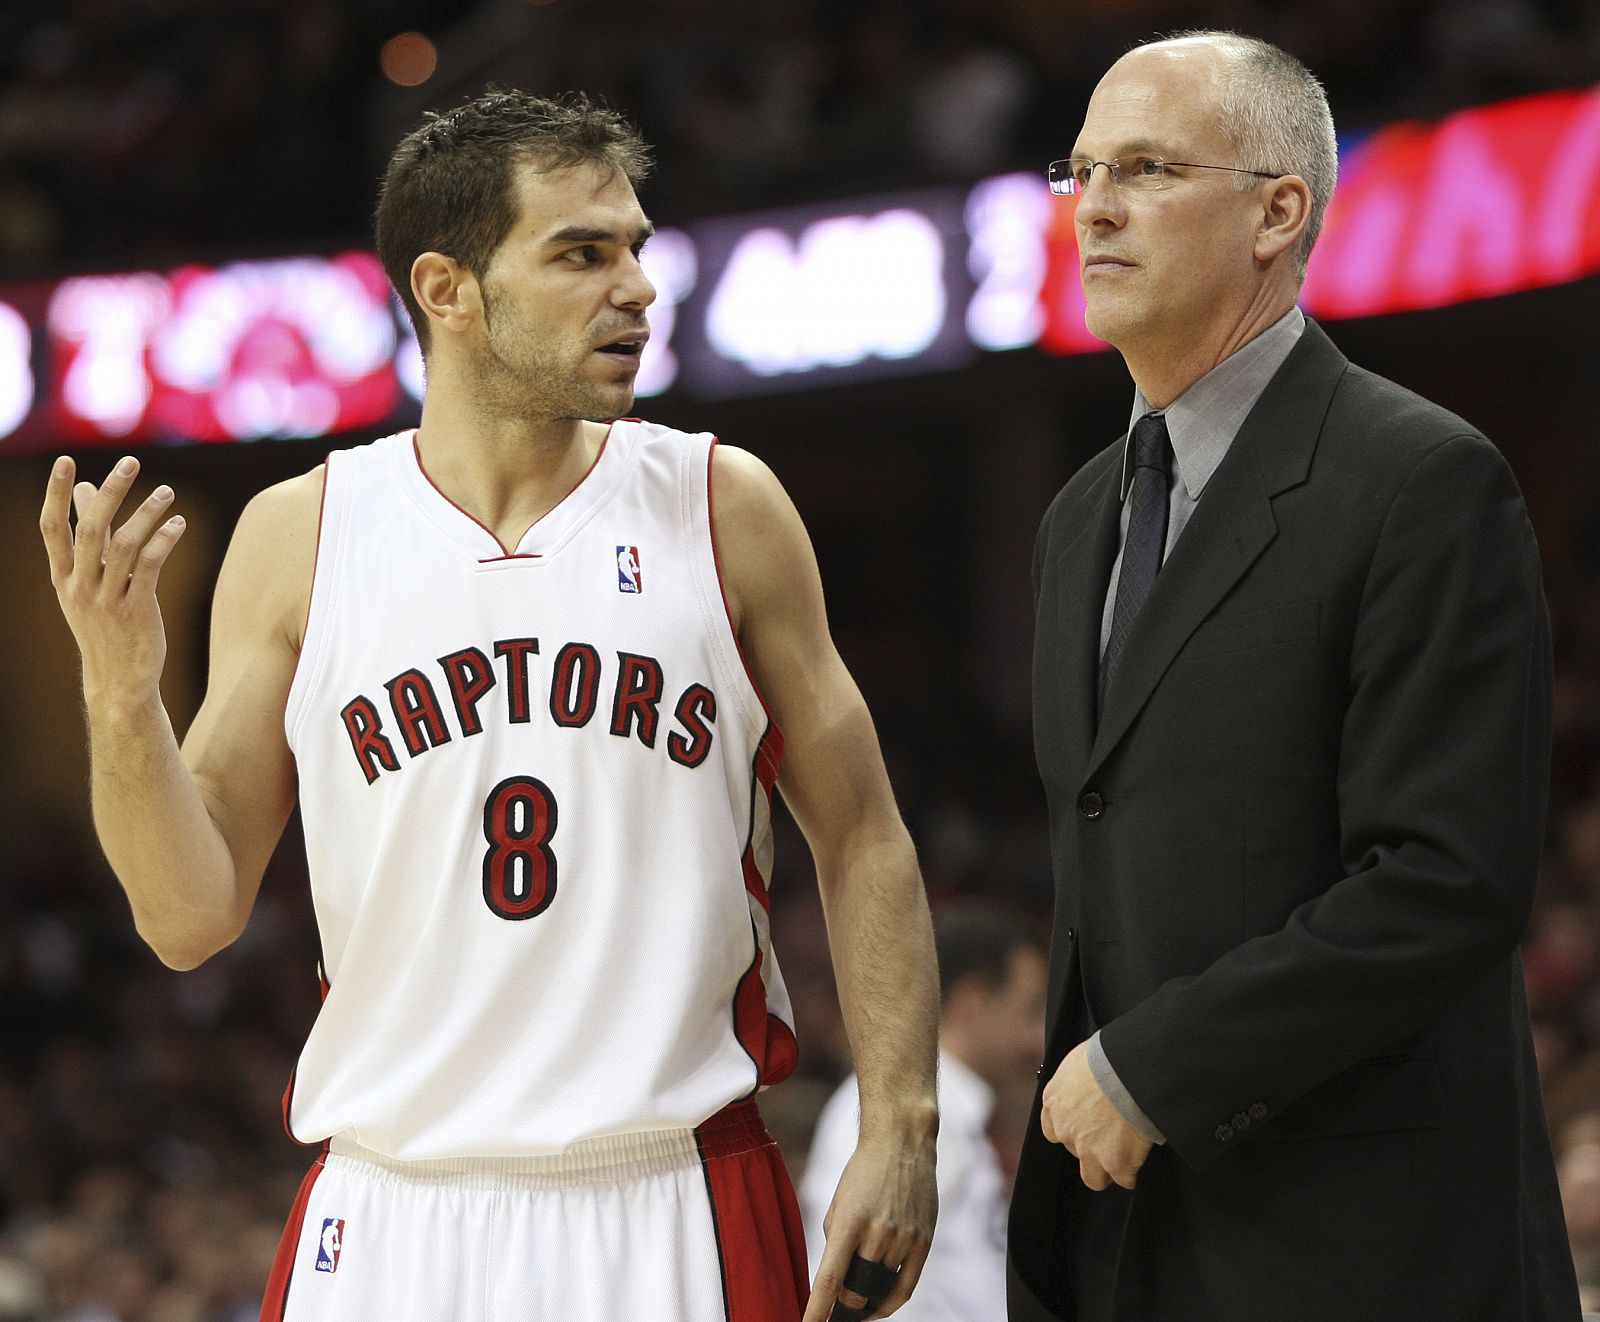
(1203, 421)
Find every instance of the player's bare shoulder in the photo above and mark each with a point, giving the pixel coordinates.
(266, 576)
(762, 546)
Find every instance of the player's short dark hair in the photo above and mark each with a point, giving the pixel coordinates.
(450, 183)
(973, 941)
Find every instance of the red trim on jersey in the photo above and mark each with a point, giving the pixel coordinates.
(311, 596)
(506, 554)
(722, 587)
(276, 1299)
(766, 1039)
(769, 757)
(760, 1241)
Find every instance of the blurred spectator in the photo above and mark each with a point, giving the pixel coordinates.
(991, 1036)
(132, 129)
(1578, 1169)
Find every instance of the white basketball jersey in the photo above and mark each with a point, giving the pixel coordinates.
(536, 789)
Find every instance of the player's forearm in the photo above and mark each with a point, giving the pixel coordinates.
(157, 833)
(882, 942)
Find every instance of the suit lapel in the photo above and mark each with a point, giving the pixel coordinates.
(1232, 525)
(1082, 567)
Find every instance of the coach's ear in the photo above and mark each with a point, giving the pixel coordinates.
(1285, 212)
(447, 293)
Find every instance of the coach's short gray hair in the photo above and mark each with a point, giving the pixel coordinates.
(1276, 115)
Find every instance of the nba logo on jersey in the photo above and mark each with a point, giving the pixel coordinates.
(628, 577)
(331, 1245)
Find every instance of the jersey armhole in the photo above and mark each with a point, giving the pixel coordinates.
(729, 649)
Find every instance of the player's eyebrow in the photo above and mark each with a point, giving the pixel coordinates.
(596, 234)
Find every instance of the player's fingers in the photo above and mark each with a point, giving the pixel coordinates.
(97, 508)
(910, 1273)
(128, 541)
(55, 520)
(828, 1288)
(1048, 1125)
(148, 568)
(88, 539)
(884, 1249)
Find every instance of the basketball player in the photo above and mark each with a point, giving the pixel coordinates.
(532, 676)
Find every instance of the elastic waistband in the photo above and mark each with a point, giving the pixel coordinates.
(611, 1159)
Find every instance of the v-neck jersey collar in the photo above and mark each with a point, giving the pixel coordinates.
(550, 533)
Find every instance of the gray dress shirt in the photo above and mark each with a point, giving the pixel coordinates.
(1202, 423)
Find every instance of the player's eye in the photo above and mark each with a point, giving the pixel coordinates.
(587, 255)
(1147, 167)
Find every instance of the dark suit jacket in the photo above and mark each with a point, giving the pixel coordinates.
(1292, 866)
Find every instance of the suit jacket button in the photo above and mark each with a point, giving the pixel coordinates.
(1241, 1121)
(1224, 1133)
(1258, 1110)
(1091, 805)
(1072, 934)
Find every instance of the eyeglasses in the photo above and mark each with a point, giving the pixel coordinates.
(1140, 174)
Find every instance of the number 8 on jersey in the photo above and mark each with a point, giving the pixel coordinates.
(519, 867)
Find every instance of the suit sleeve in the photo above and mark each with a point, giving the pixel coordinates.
(1443, 768)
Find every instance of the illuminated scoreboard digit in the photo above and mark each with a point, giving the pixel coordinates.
(814, 296)
(16, 369)
(302, 347)
(298, 347)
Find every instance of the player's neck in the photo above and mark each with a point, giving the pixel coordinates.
(507, 473)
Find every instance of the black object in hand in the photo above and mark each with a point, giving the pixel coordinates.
(873, 1279)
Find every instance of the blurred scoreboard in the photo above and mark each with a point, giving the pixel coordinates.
(1486, 201)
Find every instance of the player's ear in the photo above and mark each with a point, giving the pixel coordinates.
(446, 292)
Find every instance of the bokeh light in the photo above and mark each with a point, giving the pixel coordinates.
(408, 59)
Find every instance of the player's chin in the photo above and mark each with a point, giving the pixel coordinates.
(618, 402)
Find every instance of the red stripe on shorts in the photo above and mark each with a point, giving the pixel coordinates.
(759, 1236)
(276, 1299)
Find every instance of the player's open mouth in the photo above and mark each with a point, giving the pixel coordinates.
(630, 348)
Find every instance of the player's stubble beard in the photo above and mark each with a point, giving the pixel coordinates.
(525, 374)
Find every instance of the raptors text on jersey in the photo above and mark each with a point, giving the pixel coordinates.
(537, 802)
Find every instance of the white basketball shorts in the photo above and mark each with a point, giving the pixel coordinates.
(686, 1225)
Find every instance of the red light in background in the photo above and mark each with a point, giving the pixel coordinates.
(1488, 201)
(408, 59)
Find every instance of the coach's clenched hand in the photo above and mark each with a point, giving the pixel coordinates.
(883, 1209)
(105, 580)
(1079, 1116)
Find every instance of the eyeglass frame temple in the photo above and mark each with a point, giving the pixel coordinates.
(1189, 165)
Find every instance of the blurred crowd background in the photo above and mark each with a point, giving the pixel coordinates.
(138, 130)
(144, 1171)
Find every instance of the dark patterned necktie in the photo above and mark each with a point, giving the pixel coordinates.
(1147, 537)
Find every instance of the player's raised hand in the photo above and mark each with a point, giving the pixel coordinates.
(883, 1212)
(105, 578)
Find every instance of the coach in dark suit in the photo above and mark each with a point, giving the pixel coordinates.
(1292, 705)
